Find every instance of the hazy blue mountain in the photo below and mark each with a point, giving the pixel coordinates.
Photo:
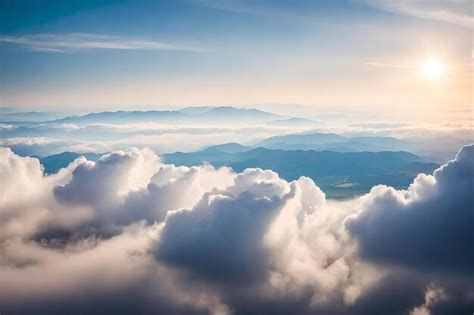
(195, 110)
(26, 116)
(301, 139)
(126, 117)
(200, 115)
(372, 144)
(235, 115)
(209, 155)
(334, 142)
(231, 147)
(339, 174)
(293, 122)
(54, 163)
(5, 110)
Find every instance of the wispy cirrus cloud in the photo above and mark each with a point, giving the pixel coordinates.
(457, 12)
(449, 68)
(387, 65)
(70, 42)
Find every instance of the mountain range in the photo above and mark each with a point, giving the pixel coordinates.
(13, 115)
(339, 174)
(334, 142)
(188, 115)
(54, 163)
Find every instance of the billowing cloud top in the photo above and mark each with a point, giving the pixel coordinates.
(130, 234)
(429, 226)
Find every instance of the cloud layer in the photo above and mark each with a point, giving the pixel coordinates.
(131, 234)
(436, 143)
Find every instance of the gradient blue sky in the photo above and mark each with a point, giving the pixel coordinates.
(324, 54)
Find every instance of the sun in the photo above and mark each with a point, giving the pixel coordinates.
(433, 69)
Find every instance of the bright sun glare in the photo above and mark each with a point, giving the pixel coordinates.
(433, 69)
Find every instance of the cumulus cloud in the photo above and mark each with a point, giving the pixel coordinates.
(131, 234)
(432, 295)
(26, 199)
(431, 225)
(96, 277)
(126, 186)
(221, 236)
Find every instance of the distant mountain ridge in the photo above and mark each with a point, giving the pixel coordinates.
(231, 147)
(334, 142)
(8, 115)
(188, 115)
(124, 117)
(53, 163)
(339, 174)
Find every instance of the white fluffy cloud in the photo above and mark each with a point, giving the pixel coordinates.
(26, 198)
(430, 226)
(129, 233)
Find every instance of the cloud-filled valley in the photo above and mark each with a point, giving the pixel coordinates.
(191, 129)
(164, 212)
(236, 157)
(245, 138)
(132, 234)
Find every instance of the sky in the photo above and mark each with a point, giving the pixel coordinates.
(392, 57)
(131, 233)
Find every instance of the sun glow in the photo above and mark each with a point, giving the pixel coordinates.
(433, 69)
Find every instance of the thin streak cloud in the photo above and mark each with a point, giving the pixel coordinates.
(454, 12)
(387, 65)
(449, 68)
(85, 41)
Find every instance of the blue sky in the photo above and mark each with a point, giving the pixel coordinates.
(324, 54)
